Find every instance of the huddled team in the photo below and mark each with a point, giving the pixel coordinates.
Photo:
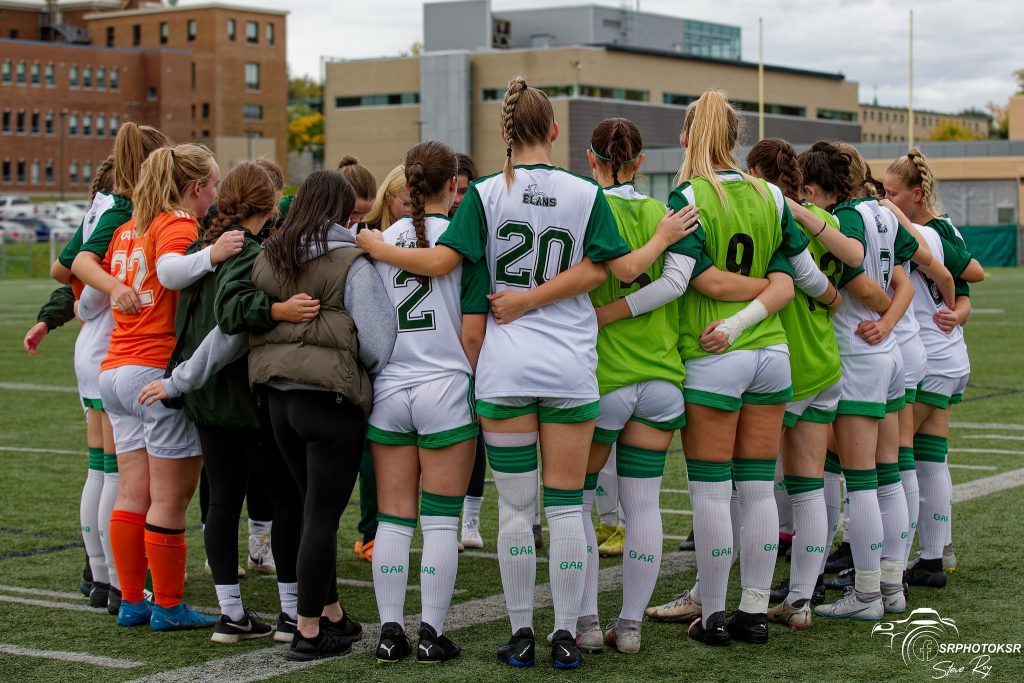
(265, 340)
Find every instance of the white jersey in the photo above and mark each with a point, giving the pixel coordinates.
(947, 353)
(429, 344)
(94, 337)
(546, 223)
(907, 327)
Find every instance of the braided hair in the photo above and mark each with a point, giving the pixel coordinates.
(914, 171)
(247, 191)
(428, 167)
(104, 179)
(776, 161)
(526, 118)
(617, 142)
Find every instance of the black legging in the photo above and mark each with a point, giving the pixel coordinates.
(476, 480)
(257, 500)
(321, 437)
(228, 453)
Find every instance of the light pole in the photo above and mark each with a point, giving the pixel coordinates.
(63, 169)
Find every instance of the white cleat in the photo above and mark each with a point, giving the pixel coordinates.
(681, 608)
(789, 616)
(895, 603)
(471, 533)
(625, 640)
(849, 607)
(261, 556)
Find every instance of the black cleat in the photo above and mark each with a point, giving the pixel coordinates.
(779, 592)
(839, 560)
(433, 648)
(520, 650)
(842, 580)
(346, 626)
(99, 597)
(393, 645)
(688, 544)
(538, 536)
(928, 573)
(749, 628)
(565, 654)
(785, 548)
(113, 601)
(327, 643)
(85, 585)
(716, 632)
(249, 627)
(818, 595)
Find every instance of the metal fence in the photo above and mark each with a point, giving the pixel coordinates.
(29, 260)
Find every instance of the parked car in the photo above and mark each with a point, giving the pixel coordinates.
(17, 232)
(44, 225)
(13, 206)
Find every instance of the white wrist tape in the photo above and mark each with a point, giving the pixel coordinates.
(733, 326)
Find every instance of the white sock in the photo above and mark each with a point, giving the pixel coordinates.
(759, 534)
(513, 461)
(736, 520)
(230, 599)
(782, 502)
(935, 508)
(567, 554)
(289, 596)
(439, 516)
(588, 605)
(710, 490)
(910, 490)
(257, 528)
(88, 514)
(892, 504)
(866, 534)
(949, 527)
(471, 507)
(607, 498)
(391, 566)
(811, 524)
(641, 560)
(833, 505)
(111, 482)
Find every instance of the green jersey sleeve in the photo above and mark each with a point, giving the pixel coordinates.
(906, 245)
(703, 263)
(794, 240)
(847, 273)
(851, 224)
(71, 249)
(780, 263)
(467, 231)
(239, 305)
(954, 258)
(602, 241)
(476, 285)
(59, 309)
(693, 244)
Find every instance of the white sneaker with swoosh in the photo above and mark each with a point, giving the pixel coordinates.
(849, 607)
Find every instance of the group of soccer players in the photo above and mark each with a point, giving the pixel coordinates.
(225, 327)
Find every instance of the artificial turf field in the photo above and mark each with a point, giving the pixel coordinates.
(48, 633)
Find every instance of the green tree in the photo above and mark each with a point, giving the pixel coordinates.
(951, 130)
(305, 88)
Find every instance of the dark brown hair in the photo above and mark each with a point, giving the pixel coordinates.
(359, 177)
(272, 170)
(132, 146)
(863, 183)
(526, 118)
(428, 166)
(828, 167)
(467, 167)
(776, 161)
(616, 142)
(324, 198)
(104, 179)
(246, 192)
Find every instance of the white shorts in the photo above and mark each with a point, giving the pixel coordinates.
(942, 392)
(435, 414)
(820, 408)
(727, 381)
(547, 408)
(162, 431)
(655, 403)
(872, 384)
(915, 360)
(90, 350)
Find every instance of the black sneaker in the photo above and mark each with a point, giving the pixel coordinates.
(785, 547)
(286, 628)
(520, 651)
(99, 597)
(716, 632)
(346, 626)
(85, 585)
(433, 648)
(779, 592)
(113, 601)
(688, 544)
(538, 536)
(393, 645)
(747, 627)
(839, 560)
(927, 573)
(248, 627)
(818, 596)
(327, 643)
(842, 580)
(565, 654)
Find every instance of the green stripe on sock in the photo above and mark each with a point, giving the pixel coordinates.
(392, 519)
(96, 459)
(930, 448)
(436, 505)
(754, 470)
(590, 481)
(888, 473)
(795, 484)
(639, 463)
(512, 459)
(559, 497)
(906, 462)
(832, 463)
(699, 470)
(861, 480)
(110, 463)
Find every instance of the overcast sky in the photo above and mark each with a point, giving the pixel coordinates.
(965, 50)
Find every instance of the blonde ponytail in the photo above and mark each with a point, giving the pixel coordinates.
(132, 146)
(165, 179)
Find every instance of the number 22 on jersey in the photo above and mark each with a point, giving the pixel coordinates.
(132, 269)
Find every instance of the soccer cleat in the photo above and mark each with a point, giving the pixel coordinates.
(893, 599)
(716, 633)
(538, 536)
(113, 601)
(625, 639)
(433, 648)
(747, 627)
(604, 531)
(261, 557)
(688, 544)
(681, 608)
(565, 654)
(178, 618)
(134, 613)
(818, 595)
(785, 547)
(793, 617)
(842, 580)
(393, 645)
(840, 559)
(614, 545)
(286, 628)
(346, 626)
(928, 573)
(949, 558)
(208, 570)
(85, 585)
(780, 592)
(850, 608)
(100, 595)
(589, 637)
(327, 643)
(471, 533)
(520, 650)
(249, 627)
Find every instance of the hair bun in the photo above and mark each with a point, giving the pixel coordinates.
(347, 161)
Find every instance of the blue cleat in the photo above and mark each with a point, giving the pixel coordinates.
(180, 618)
(134, 613)
(519, 651)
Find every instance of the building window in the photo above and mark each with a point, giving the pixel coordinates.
(7, 121)
(34, 178)
(101, 125)
(87, 173)
(115, 78)
(115, 123)
(677, 99)
(206, 133)
(6, 71)
(35, 123)
(151, 93)
(252, 112)
(14, 34)
(87, 124)
(165, 32)
(191, 30)
(252, 32)
(836, 115)
(7, 170)
(73, 171)
(101, 78)
(378, 100)
(193, 71)
(48, 123)
(231, 29)
(73, 76)
(252, 76)
(34, 74)
(21, 171)
(49, 171)
(49, 75)
(270, 33)
(21, 73)
(136, 35)
(206, 110)
(193, 113)
(110, 36)
(21, 121)
(73, 124)
(87, 77)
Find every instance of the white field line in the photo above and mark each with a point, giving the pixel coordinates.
(18, 386)
(990, 451)
(356, 583)
(988, 425)
(688, 513)
(686, 491)
(996, 437)
(958, 466)
(42, 593)
(77, 657)
(987, 485)
(21, 449)
(78, 607)
(988, 311)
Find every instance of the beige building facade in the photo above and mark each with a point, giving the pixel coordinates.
(891, 124)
